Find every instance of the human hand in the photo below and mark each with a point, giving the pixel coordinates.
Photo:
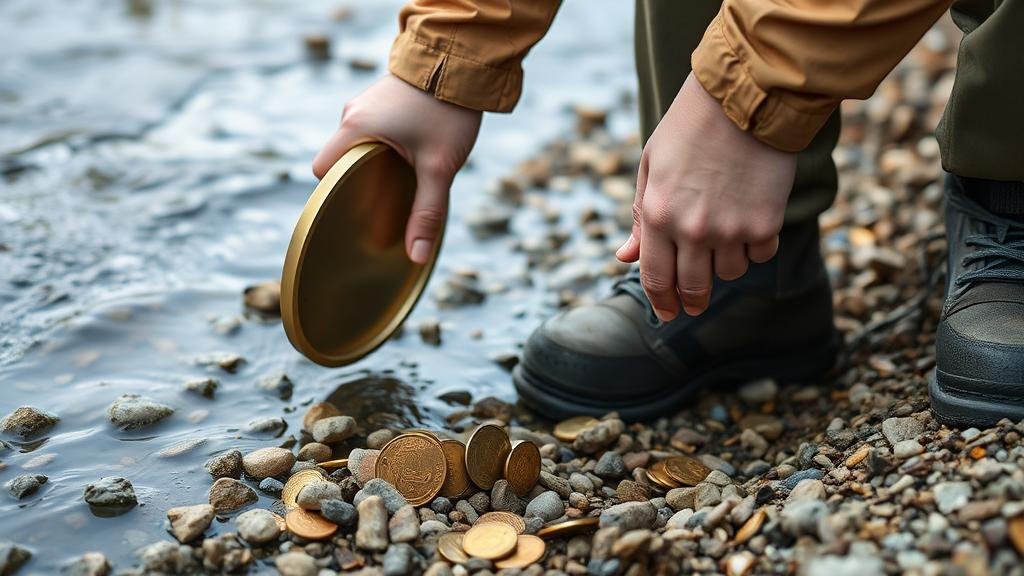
(709, 199)
(434, 136)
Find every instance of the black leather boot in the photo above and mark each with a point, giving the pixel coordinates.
(979, 347)
(775, 321)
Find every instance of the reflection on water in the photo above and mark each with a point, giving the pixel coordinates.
(154, 157)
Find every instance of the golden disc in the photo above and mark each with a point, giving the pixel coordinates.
(522, 467)
(686, 470)
(491, 540)
(309, 525)
(514, 520)
(660, 476)
(415, 465)
(347, 282)
(334, 464)
(296, 483)
(569, 528)
(529, 550)
(486, 451)
(456, 481)
(568, 430)
(449, 545)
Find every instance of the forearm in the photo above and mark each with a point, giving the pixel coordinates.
(469, 53)
(779, 69)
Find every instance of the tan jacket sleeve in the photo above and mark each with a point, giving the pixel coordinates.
(780, 67)
(469, 52)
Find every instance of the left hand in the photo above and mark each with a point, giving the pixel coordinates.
(710, 198)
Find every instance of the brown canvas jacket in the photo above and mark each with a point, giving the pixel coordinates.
(778, 67)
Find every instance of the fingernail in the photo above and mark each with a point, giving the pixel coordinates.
(420, 251)
(625, 244)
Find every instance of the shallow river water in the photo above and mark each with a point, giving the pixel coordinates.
(154, 157)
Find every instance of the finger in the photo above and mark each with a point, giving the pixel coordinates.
(630, 251)
(730, 262)
(694, 281)
(340, 142)
(429, 210)
(658, 274)
(763, 251)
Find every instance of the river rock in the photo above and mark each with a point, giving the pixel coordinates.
(228, 494)
(264, 298)
(257, 527)
(338, 511)
(378, 438)
(611, 465)
(600, 436)
(296, 564)
(28, 422)
(399, 560)
(277, 384)
(88, 564)
(111, 492)
(907, 448)
(629, 516)
(800, 517)
(189, 522)
(226, 465)
(362, 462)
(333, 429)
(265, 462)
(759, 391)
(372, 533)
(165, 558)
(317, 412)
(12, 557)
(271, 486)
(556, 483)
(547, 506)
(311, 495)
(26, 485)
(404, 526)
(274, 426)
(316, 452)
(808, 489)
(205, 387)
(951, 496)
(132, 411)
(392, 498)
(897, 430)
(504, 499)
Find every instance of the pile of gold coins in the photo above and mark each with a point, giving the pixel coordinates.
(499, 537)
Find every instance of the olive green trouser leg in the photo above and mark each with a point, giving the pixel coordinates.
(982, 130)
(667, 32)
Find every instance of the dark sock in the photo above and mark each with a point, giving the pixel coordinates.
(998, 197)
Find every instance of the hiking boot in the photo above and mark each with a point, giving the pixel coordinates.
(775, 321)
(979, 345)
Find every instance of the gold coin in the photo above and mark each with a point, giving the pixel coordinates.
(750, 527)
(334, 464)
(654, 480)
(449, 545)
(686, 470)
(490, 540)
(569, 528)
(661, 476)
(456, 481)
(297, 482)
(568, 430)
(414, 464)
(529, 549)
(522, 467)
(514, 520)
(309, 525)
(486, 451)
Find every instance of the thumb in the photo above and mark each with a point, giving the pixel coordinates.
(429, 211)
(340, 142)
(630, 251)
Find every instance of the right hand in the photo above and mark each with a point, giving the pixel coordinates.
(434, 136)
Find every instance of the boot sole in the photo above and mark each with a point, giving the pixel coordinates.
(955, 406)
(810, 364)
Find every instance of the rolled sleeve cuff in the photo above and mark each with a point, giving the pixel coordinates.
(770, 119)
(454, 78)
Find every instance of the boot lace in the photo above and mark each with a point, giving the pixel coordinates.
(999, 250)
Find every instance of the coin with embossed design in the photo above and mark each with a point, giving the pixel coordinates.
(514, 520)
(486, 451)
(657, 474)
(450, 546)
(297, 482)
(490, 540)
(457, 480)
(309, 525)
(522, 467)
(568, 430)
(529, 550)
(686, 470)
(414, 464)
